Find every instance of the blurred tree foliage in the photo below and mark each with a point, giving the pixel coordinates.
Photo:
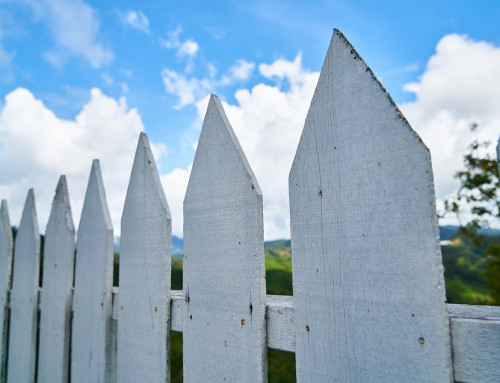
(479, 197)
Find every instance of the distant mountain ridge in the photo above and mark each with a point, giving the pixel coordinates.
(445, 233)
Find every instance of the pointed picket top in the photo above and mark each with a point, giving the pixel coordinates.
(367, 270)
(218, 131)
(92, 298)
(29, 220)
(223, 325)
(6, 247)
(145, 162)
(55, 307)
(95, 205)
(61, 209)
(144, 280)
(24, 297)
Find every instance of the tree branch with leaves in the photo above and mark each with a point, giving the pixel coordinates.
(479, 196)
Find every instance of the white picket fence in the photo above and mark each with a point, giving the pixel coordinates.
(369, 297)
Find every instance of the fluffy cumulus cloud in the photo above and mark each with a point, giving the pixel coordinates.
(458, 87)
(36, 147)
(268, 121)
(75, 27)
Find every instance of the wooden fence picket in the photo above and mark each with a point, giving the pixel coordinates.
(24, 297)
(367, 272)
(56, 297)
(6, 247)
(145, 252)
(92, 297)
(368, 298)
(224, 332)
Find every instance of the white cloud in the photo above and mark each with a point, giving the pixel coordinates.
(175, 185)
(36, 147)
(240, 71)
(188, 48)
(458, 87)
(284, 69)
(268, 122)
(187, 89)
(184, 49)
(75, 27)
(190, 89)
(173, 39)
(136, 20)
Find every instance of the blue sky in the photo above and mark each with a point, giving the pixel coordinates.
(79, 79)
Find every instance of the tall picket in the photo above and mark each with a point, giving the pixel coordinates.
(224, 334)
(367, 271)
(6, 247)
(92, 298)
(24, 297)
(57, 283)
(145, 255)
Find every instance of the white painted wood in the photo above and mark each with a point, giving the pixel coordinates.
(6, 247)
(367, 271)
(24, 297)
(224, 333)
(57, 283)
(114, 335)
(177, 312)
(280, 323)
(145, 252)
(476, 343)
(474, 312)
(474, 330)
(475, 334)
(92, 299)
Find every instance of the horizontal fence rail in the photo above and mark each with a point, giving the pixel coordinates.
(365, 307)
(475, 332)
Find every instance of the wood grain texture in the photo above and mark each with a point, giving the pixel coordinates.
(24, 297)
(224, 331)
(92, 299)
(146, 246)
(280, 323)
(475, 334)
(6, 247)
(367, 272)
(55, 307)
(476, 344)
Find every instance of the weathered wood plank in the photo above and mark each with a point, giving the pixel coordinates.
(224, 333)
(6, 247)
(146, 246)
(24, 297)
(92, 299)
(57, 283)
(177, 313)
(475, 334)
(367, 271)
(280, 323)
